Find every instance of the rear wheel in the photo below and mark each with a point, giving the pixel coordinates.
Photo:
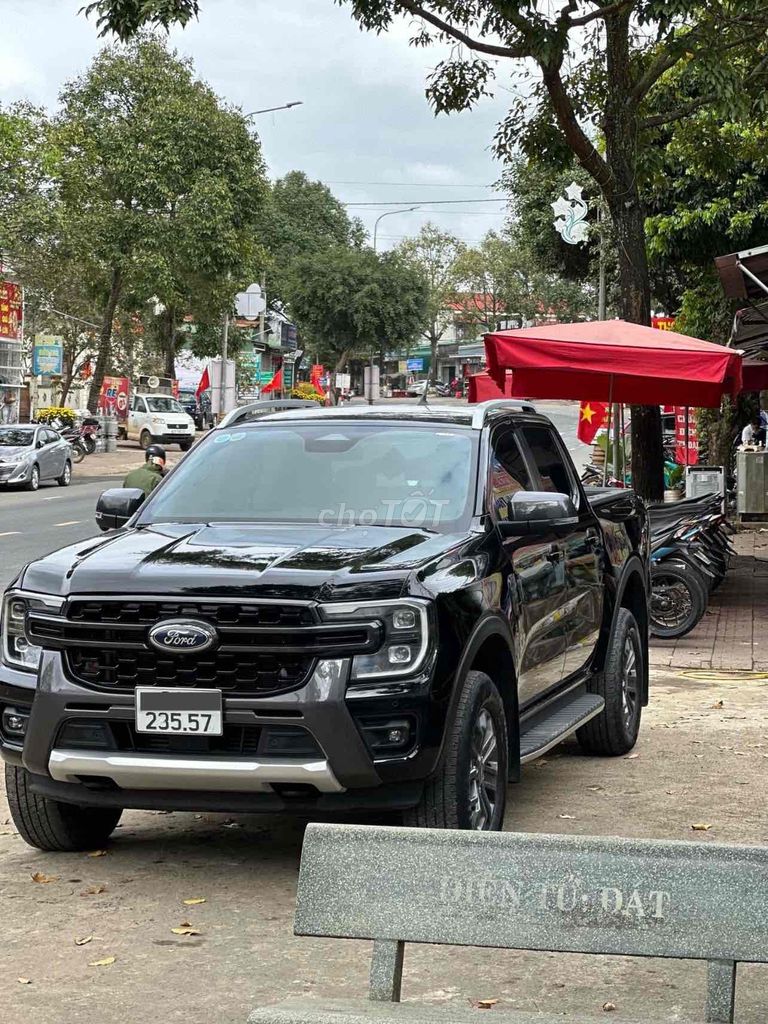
(51, 824)
(66, 476)
(469, 787)
(614, 731)
(678, 599)
(78, 454)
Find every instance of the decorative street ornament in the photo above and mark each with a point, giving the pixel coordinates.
(571, 215)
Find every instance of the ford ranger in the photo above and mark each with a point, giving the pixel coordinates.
(327, 611)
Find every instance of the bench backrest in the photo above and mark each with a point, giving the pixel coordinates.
(527, 891)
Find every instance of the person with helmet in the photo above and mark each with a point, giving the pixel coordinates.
(148, 476)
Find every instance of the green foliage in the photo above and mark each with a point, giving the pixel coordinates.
(354, 301)
(435, 255)
(126, 17)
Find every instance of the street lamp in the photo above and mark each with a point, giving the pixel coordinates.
(389, 213)
(268, 110)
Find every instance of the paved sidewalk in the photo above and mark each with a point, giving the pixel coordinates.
(126, 458)
(733, 635)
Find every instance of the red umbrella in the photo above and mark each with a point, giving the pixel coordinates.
(614, 361)
(482, 387)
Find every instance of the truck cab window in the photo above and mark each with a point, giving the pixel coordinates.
(508, 472)
(553, 471)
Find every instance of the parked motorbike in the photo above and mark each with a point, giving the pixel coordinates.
(89, 433)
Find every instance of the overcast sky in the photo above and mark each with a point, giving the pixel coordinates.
(364, 126)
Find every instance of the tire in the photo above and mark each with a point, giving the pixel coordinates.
(451, 797)
(51, 824)
(186, 445)
(89, 443)
(145, 440)
(679, 598)
(614, 731)
(34, 481)
(66, 477)
(78, 454)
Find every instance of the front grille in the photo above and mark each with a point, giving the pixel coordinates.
(236, 741)
(261, 649)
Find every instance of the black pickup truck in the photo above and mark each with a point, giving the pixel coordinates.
(327, 611)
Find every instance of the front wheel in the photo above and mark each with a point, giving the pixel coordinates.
(678, 599)
(51, 824)
(34, 481)
(469, 788)
(614, 731)
(186, 445)
(145, 440)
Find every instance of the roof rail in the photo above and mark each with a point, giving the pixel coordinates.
(263, 408)
(481, 410)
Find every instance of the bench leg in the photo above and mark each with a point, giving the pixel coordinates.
(721, 991)
(386, 970)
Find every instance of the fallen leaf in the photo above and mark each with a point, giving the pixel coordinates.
(487, 1004)
(185, 928)
(44, 879)
(106, 962)
(24, 981)
(570, 816)
(631, 757)
(609, 1006)
(84, 941)
(717, 704)
(596, 789)
(97, 853)
(194, 902)
(701, 826)
(94, 890)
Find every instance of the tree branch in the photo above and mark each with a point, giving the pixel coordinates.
(677, 115)
(601, 12)
(575, 136)
(456, 33)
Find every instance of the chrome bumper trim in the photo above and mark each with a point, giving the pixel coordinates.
(145, 771)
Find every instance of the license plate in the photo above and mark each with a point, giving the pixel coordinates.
(178, 711)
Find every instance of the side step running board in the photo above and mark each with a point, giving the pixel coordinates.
(547, 730)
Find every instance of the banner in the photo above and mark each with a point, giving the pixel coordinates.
(113, 397)
(592, 417)
(683, 457)
(47, 355)
(11, 312)
(316, 375)
(663, 323)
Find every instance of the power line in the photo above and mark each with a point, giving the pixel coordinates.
(410, 184)
(431, 202)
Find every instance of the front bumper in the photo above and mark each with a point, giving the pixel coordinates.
(344, 773)
(15, 472)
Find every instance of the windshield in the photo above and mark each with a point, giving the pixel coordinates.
(15, 437)
(332, 474)
(163, 403)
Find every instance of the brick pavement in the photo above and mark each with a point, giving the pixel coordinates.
(733, 634)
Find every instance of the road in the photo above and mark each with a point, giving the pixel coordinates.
(31, 525)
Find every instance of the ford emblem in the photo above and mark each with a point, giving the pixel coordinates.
(182, 636)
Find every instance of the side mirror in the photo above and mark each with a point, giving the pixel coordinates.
(538, 512)
(40, 443)
(116, 506)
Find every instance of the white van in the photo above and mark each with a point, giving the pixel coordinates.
(159, 419)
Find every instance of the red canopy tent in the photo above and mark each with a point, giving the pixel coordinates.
(755, 375)
(482, 388)
(613, 361)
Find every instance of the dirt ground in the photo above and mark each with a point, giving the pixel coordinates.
(698, 761)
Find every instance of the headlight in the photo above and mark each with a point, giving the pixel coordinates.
(18, 457)
(17, 650)
(405, 641)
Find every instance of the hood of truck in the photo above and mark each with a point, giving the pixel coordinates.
(231, 559)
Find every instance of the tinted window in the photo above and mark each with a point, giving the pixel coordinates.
(15, 437)
(509, 474)
(332, 474)
(553, 472)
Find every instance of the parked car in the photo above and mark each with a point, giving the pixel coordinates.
(198, 408)
(159, 419)
(31, 454)
(327, 610)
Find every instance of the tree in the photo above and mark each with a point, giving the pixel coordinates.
(301, 218)
(598, 69)
(164, 183)
(435, 255)
(353, 302)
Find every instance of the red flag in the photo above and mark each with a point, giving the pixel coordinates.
(276, 384)
(204, 385)
(592, 416)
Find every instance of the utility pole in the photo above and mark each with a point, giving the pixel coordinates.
(224, 346)
(262, 343)
(601, 265)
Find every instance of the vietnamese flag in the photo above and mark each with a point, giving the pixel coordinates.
(276, 384)
(204, 385)
(592, 416)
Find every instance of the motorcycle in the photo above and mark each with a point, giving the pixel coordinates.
(89, 433)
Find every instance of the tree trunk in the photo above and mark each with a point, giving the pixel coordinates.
(433, 357)
(105, 341)
(66, 384)
(168, 329)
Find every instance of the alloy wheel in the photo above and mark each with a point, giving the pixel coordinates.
(483, 772)
(629, 682)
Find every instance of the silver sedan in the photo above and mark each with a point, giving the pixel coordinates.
(31, 454)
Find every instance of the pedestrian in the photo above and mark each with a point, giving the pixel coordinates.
(148, 476)
(751, 434)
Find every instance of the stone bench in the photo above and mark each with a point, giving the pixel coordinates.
(571, 894)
